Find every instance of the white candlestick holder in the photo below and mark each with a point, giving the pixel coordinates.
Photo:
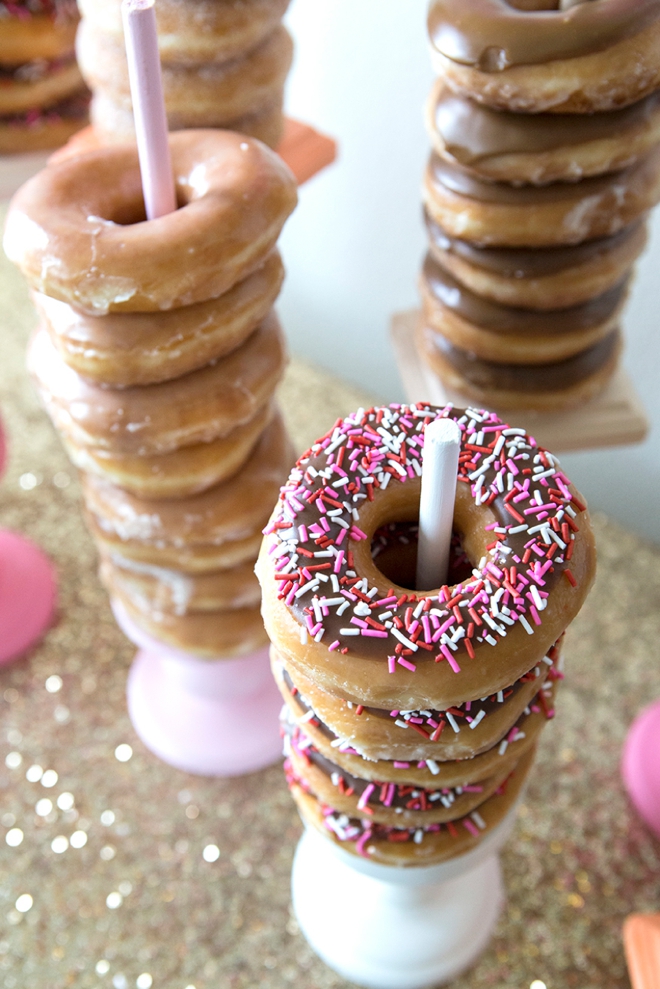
(393, 928)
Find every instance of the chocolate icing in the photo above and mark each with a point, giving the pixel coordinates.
(493, 35)
(558, 376)
(502, 319)
(471, 131)
(524, 262)
(454, 178)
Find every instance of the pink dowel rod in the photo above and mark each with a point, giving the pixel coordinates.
(139, 19)
(442, 445)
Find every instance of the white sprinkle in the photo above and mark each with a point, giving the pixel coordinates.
(479, 718)
(452, 721)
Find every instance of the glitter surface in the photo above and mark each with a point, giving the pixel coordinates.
(118, 871)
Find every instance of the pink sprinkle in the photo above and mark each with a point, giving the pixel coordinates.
(404, 662)
(340, 538)
(401, 765)
(361, 842)
(360, 533)
(374, 633)
(338, 561)
(535, 615)
(390, 600)
(471, 828)
(364, 799)
(391, 664)
(447, 653)
(391, 790)
(334, 645)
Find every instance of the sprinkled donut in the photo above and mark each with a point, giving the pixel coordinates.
(331, 614)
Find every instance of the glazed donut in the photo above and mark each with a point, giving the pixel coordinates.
(115, 124)
(86, 211)
(418, 846)
(183, 472)
(35, 85)
(121, 350)
(533, 57)
(399, 805)
(207, 635)
(156, 419)
(501, 215)
(548, 387)
(510, 335)
(207, 531)
(539, 148)
(202, 95)
(197, 31)
(39, 130)
(157, 589)
(191, 559)
(47, 30)
(539, 278)
(381, 734)
(424, 648)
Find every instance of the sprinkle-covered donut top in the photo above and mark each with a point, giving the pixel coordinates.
(317, 524)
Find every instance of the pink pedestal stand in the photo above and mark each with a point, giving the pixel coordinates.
(640, 766)
(209, 717)
(27, 590)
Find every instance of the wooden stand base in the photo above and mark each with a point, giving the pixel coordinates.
(614, 418)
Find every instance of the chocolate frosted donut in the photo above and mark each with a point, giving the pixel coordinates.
(496, 214)
(331, 614)
(510, 335)
(539, 148)
(532, 57)
(540, 278)
(461, 733)
(416, 846)
(540, 387)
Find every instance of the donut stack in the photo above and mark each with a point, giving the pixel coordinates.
(157, 358)
(412, 716)
(43, 99)
(545, 124)
(223, 65)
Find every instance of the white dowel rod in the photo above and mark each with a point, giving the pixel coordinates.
(442, 444)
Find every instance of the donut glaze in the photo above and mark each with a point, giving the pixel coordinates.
(496, 34)
(363, 638)
(75, 229)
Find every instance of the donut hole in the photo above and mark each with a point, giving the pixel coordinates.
(394, 552)
(399, 506)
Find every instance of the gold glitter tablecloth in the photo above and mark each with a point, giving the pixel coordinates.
(137, 904)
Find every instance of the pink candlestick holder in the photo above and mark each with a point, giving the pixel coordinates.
(28, 590)
(208, 717)
(640, 765)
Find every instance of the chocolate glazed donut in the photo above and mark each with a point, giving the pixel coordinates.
(534, 56)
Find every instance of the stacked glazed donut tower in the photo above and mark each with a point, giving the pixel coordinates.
(157, 357)
(224, 65)
(43, 99)
(545, 123)
(412, 715)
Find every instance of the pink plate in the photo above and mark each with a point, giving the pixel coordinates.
(640, 766)
(27, 595)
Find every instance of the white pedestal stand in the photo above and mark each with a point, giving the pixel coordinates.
(391, 928)
(209, 717)
(17, 169)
